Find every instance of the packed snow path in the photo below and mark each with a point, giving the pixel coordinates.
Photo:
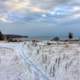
(16, 54)
(39, 61)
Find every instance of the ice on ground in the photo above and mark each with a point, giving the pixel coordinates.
(39, 61)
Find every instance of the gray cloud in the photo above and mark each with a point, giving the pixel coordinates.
(13, 10)
(47, 4)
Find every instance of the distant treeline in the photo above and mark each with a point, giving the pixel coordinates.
(16, 38)
(70, 37)
(9, 37)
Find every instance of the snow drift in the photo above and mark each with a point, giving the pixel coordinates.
(39, 61)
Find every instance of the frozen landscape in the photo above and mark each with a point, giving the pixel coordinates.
(39, 60)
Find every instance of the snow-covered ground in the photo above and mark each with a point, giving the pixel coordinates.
(39, 61)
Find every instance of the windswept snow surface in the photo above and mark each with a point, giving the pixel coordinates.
(39, 61)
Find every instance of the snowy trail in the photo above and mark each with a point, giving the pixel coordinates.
(27, 60)
(63, 63)
(23, 54)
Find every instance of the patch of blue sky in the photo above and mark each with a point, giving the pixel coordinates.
(62, 10)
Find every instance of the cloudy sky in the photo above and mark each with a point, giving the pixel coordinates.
(40, 17)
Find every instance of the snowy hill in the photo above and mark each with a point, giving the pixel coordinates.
(39, 61)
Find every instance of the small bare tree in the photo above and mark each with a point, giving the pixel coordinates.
(1, 36)
(70, 36)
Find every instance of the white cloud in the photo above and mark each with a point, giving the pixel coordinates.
(18, 9)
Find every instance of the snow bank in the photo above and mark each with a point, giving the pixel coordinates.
(59, 61)
(39, 61)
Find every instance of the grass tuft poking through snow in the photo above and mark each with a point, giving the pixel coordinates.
(40, 61)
